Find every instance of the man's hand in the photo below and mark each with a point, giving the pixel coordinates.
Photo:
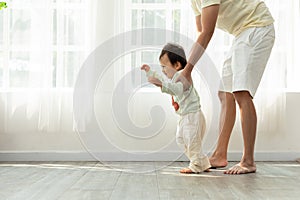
(185, 78)
(145, 67)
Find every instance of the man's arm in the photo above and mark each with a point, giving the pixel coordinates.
(206, 23)
(198, 24)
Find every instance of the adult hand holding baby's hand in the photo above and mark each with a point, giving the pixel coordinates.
(185, 78)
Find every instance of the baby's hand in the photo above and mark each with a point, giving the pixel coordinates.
(145, 67)
(154, 81)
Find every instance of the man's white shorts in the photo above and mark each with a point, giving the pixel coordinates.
(247, 59)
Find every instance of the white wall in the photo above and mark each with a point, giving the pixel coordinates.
(25, 143)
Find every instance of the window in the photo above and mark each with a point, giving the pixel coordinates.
(38, 36)
(158, 14)
(175, 16)
(42, 43)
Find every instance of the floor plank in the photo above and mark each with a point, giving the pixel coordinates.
(143, 180)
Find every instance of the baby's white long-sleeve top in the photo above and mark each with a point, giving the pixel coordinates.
(188, 100)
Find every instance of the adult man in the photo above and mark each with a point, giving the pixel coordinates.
(252, 25)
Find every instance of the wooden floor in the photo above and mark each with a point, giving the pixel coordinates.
(143, 180)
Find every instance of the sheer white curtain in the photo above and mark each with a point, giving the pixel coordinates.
(44, 45)
(271, 95)
(283, 67)
(281, 72)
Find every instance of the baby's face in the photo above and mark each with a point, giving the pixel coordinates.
(167, 68)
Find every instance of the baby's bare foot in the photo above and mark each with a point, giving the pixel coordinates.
(189, 171)
(186, 171)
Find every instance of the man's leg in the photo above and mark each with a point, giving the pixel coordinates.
(227, 120)
(249, 121)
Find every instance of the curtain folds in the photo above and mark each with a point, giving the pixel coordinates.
(45, 103)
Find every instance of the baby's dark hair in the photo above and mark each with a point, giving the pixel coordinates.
(175, 54)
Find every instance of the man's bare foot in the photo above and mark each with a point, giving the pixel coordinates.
(217, 163)
(241, 169)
